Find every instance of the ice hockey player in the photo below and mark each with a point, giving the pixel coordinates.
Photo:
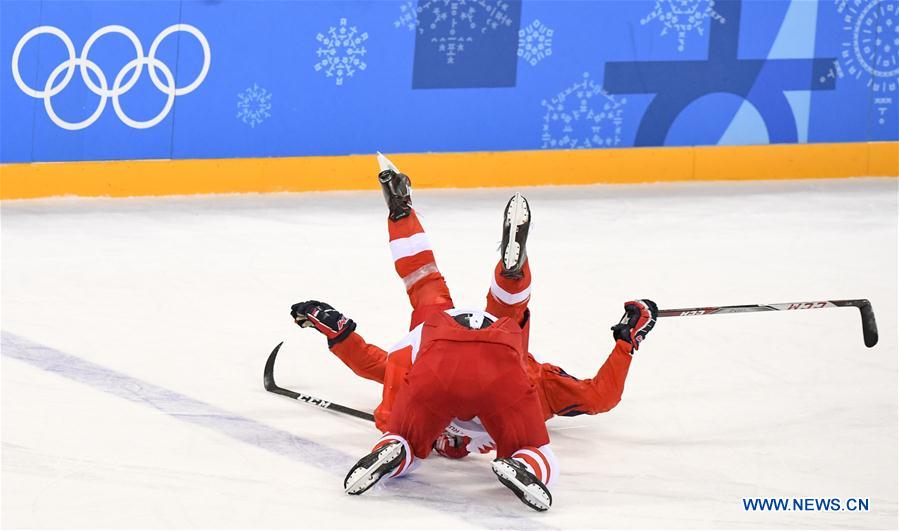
(509, 294)
(524, 468)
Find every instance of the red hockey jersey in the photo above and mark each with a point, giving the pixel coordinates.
(559, 392)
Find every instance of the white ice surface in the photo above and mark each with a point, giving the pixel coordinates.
(135, 332)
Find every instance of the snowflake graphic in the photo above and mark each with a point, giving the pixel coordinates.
(254, 105)
(408, 17)
(535, 42)
(453, 24)
(683, 16)
(870, 48)
(583, 115)
(341, 52)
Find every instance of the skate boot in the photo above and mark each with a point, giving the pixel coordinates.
(397, 189)
(525, 485)
(516, 221)
(371, 468)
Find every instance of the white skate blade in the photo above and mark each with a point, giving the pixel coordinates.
(362, 478)
(534, 496)
(385, 164)
(516, 217)
(511, 255)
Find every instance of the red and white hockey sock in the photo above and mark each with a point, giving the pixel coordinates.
(407, 463)
(509, 297)
(539, 461)
(411, 249)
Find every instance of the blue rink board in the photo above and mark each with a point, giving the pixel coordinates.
(334, 78)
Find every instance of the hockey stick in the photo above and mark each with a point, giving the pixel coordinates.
(268, 379)
(869, 325)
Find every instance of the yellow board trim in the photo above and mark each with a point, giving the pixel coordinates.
(450, 170)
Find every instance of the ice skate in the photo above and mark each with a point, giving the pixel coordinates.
(525, 485)
(397, 188)
(374, 466)
(516, 221)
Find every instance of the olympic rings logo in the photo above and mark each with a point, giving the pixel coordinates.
(119, 85)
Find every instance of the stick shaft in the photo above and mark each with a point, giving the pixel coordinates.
(869, 325)
(747, 308)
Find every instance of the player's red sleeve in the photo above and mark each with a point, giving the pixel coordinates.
(569, 396)
(366, 360)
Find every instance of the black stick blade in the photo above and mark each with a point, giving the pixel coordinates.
(268, 375)
(869, 325)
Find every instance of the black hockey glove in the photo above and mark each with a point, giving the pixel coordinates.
(638, 319)
(330, 322)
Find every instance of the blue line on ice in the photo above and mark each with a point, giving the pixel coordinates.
(249, 431)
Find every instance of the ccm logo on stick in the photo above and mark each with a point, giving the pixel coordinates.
(314, 401)
(692, 312)
(807, 305)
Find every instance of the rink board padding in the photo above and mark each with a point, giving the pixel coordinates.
(450, 170)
